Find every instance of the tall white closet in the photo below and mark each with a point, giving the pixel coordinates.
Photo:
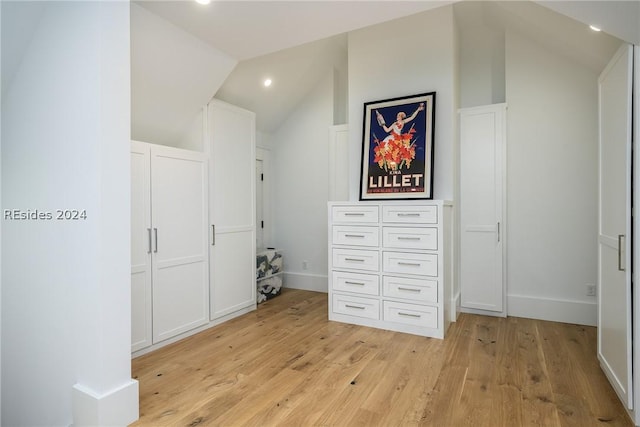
(193, 231)
(169, 252)
(483, 209)
(231, 150)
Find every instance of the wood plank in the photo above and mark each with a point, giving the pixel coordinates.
(285, 364)
(508, 405)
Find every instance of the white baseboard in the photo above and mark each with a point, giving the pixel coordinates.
(306, 282)
(119, 407)
(556, 310)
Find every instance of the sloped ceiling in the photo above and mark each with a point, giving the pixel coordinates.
(621, 19)
(557, 32)
(287, 40)
(173, 74)
(248, 29)
(294, 42)
(294, 72)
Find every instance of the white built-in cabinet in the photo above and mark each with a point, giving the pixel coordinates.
(169, 243)
(230, 147)
(482, 209)
(193, 231)
(390, 265)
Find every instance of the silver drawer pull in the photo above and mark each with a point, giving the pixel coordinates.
(408, 238)
(408, 289)
(354, 306)
(417, 316)
(354, 259)
(408, 214)
(353, 283)
(355, 235)
(412, 264)
(354, 214)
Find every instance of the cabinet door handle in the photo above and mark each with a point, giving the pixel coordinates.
(354, 214)
(408, 238)
(404, 214)
(149, 243)
(354, 306)
(412, 264)
(354, 259)
(155, 232)
(355, 235)
(353, 283)
(213, 234)
(417, 316)
(498, 232)
(621, 266)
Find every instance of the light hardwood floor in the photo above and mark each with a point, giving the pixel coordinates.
(285, 364)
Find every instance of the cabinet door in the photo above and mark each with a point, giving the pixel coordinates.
(615, 316)
(140, 247)
(482, 138)
(179, 221)
(231, 144)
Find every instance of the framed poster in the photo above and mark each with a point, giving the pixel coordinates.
(397, 148)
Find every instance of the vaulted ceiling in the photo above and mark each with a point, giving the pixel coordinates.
(295, 42)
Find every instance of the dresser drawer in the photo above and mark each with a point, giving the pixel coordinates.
(410, 314)
(355, 282)
(408, 263)
(410, 238)
(351, 214)
(356, 259)
(410, 214)
(418, 290)
(355, 235)
(356, 306)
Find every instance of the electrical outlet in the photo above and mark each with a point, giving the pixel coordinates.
(305, 264)
(590, 289)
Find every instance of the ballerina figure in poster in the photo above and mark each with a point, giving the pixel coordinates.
(395, 130)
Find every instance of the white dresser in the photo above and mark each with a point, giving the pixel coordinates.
(390, 265)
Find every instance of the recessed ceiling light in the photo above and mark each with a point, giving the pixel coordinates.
(594, 28)
(203, 1)
(267, 82)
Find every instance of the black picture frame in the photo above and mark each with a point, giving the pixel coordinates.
(397, 148)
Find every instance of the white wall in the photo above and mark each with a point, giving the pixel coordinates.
(65, 284)
(482, 80)
(552, 183)
(173, 74)
(300, 188)
(404, 57)
(193, 136)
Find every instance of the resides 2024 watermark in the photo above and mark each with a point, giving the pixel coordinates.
(44, 215)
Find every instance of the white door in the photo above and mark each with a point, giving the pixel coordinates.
(231, 145)
(140, 247)
(180, 241)
(614, 275)
(482, 227)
